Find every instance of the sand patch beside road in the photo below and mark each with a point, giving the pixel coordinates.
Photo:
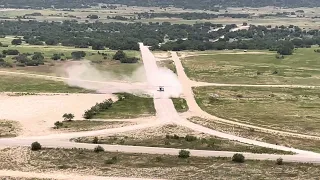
(37, 114)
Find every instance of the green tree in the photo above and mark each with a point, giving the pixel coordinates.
(119, 55)
(78, 55)
(16, 42)
(56, 57)
(68, 116)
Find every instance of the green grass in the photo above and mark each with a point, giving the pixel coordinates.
(224, 67)
(180, 104)
(174, 141)
(87, 125)
(20, 83)
(150, 166)
(250, 133)
(168, 64)
(131, 106)
(9, 128)
(286, 109)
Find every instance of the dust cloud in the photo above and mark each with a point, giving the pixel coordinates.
(85, 75)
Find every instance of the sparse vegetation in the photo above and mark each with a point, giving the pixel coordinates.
(9, 128)
(96, 109)
(294, 105)
(182, 142)
(180, 104)
(145, 165)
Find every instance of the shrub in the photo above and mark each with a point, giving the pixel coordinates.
(95, 140)
(158, 159)
(175, 137)
(35, 146)
(279, 161)
(113, 160)
(184, 154)
(190, 138)
(58, 124)
(98, 149)
(239, 158)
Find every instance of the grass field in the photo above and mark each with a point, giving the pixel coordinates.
(286, 109)
(240, 68)
(168, 64)
(131, 106)
(9, 128)
(289, 141)
(20, 83)
(180, 104)
(149, 166)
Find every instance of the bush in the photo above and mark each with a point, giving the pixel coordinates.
(16, 42)
(89, 114)
(190, 138)
(184, 154)
(58, 124)
(10, 52)
(279, 161)
(78, 55)
(239, 158)
(158, 159)
(98, 149)
(95, 140)
(35, 146)
(129, 60)
(113, 160)
(119, 55)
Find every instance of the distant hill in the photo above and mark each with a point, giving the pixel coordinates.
(192, 4)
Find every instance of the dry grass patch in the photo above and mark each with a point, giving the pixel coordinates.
(149, 166)
(9, 128)
(261, 67)
(250, 133)
(89, 125)
(172, 136)
(289, 109)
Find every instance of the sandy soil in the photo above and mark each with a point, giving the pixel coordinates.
(170, 129)
(37, 114)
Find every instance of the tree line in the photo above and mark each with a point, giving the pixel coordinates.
(186, 4)
(189, 16)
(162, 36)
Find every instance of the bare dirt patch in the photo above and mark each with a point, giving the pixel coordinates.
(38, 113)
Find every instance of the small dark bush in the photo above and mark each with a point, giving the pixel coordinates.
(35, 146)
(95, 140)
(158, 159)
(98, 149)
(239, 158)
(279, 161)
(184, 154)
(190, 138)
